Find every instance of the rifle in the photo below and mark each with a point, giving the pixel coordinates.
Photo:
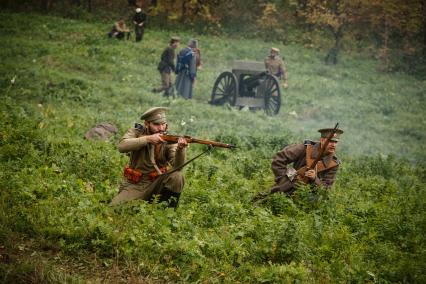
(174, 139)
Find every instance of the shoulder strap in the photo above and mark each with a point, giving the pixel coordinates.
(309, 159)
(321, 166)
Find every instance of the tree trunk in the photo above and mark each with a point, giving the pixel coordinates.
(46, 5)
(333, 53)
(424, 29)
(89, 6)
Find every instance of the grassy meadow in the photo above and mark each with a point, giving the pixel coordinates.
(60, 77)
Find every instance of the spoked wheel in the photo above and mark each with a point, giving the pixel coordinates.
(272, 94)
(225, 89)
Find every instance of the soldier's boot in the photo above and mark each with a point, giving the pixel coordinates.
(172, 92)
(172, 198)
(166, 93)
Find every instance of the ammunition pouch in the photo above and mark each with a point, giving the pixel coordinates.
(135, 176)
(132, 175)
(153, 175)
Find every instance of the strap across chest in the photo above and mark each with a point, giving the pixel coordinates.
(321, 166)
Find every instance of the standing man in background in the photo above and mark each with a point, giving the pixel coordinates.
(186, 70)
(139, 20)
(166, 67)
(275, 66)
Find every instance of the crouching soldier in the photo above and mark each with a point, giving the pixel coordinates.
(310, 162)
(302, 157)
(146, 176)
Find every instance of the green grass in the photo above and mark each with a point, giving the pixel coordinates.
(55, 185)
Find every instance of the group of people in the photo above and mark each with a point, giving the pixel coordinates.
(155, 167)
(188, 61)
(121, 31)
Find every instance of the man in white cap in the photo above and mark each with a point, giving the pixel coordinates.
(146, 176)
(275, 66)
(139, 20)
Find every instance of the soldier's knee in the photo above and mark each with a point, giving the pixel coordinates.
(177, 176)
(175, 181)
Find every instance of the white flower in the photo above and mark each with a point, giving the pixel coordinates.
(293, 113)
(182, 123)
(13, 80)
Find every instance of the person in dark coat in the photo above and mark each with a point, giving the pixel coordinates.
(166, 67)
(139, 20)
(186, 70)
(300, 155)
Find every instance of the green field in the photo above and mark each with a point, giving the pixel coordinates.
(60, 77)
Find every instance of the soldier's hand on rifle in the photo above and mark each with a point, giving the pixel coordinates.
(155, 138)
(182, 143)
(311, 174)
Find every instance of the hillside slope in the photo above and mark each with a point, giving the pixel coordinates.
(61, 77)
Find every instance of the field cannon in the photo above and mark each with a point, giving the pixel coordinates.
(248, 85)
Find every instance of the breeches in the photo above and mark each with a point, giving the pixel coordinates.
(173, 182)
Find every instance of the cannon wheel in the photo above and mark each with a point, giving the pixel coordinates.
(272, 95)
(225, 89)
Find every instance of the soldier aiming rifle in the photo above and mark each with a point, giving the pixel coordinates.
(156, 160)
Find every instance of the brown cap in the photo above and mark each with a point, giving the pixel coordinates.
(325, 132)
(155, 115)
(174, 39)
(275, 49)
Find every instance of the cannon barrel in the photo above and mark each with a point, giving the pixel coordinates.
(254, 81)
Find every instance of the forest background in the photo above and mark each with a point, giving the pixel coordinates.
(355, 62)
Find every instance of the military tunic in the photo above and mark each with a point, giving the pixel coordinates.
(275, 66)
(296, 154)
(166, 66)
(139, 21)
(147, 158)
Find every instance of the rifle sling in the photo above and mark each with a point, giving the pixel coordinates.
(187, 162)
(320, 166)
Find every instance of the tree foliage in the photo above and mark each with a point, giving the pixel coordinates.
(392, 31)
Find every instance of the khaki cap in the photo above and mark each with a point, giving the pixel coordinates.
(155, 115)
(275, 49)
(325, 132)
(193, 43)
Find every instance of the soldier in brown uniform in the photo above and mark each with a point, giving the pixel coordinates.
(150, 158)
(300, 155)
(166, 67)
(275, 66)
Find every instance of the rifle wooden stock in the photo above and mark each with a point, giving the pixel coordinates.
(189, 139)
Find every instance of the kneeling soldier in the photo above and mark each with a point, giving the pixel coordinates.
(146, 175)
(302, 155)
